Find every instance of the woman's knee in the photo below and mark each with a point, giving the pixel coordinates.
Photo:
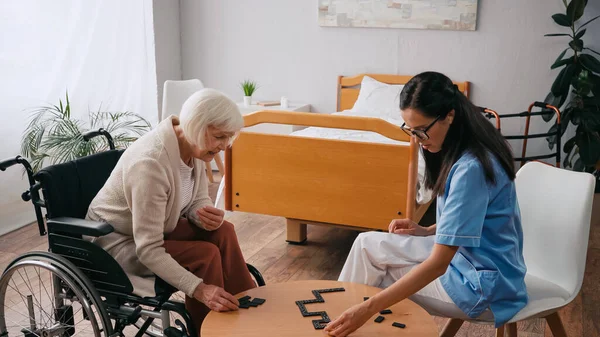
(226, 233)
(227, 229)
(208, 251)
(365, 238)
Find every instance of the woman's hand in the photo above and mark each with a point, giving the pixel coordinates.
(215, 298)
(211, 217)
(408, 227)
(349, 321)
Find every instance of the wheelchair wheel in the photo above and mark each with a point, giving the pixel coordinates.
(42, 294)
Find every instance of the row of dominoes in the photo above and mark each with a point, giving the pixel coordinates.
(317, 323)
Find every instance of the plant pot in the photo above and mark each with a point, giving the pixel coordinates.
(247, 101)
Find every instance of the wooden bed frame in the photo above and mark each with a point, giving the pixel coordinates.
(352, 184)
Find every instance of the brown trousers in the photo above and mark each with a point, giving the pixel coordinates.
(214, 256)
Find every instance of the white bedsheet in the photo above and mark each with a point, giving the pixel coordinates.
(424, 195)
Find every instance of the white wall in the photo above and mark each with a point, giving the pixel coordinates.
(279, 44)
(101, 51)
(167, 39)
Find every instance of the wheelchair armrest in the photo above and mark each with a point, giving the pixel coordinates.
(79, 226)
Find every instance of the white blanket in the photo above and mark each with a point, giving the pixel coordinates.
(423, 194)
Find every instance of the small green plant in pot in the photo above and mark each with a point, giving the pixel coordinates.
(576, 91)
(249, 88)
(53, 136)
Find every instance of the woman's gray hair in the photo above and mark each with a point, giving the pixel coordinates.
(209, 107)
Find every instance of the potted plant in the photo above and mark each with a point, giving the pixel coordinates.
(53, 136)
(249, 88)
(576, 92)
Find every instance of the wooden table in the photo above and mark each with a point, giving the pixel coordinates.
(280, 316)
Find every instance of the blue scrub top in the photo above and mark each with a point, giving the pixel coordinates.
(484, 221)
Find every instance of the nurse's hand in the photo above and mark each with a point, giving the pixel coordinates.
(409, 227)
(349, 321)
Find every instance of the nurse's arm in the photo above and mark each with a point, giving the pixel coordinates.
(416, 279)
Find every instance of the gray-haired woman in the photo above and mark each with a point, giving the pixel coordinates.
(157, 201)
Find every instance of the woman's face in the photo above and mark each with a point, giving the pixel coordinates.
(216, 140)
(429, 132)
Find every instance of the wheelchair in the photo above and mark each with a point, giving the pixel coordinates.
(76, 287)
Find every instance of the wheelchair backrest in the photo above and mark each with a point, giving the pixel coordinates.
(68, 190)
(70, 187)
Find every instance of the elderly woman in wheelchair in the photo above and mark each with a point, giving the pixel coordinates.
(150, 230)
(157, 200)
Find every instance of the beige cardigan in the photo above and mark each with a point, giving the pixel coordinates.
(141, 200)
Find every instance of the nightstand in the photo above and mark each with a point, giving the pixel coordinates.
(280, 129)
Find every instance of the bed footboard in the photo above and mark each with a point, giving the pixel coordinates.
(322, 181)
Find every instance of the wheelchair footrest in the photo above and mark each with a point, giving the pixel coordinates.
(26, 333)
(174, 332)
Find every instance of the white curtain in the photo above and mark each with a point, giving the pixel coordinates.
(101, 51)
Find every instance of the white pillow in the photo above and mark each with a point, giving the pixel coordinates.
(378, 98)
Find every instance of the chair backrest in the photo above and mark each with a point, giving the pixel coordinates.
(70, 187)
(556, 210)
(175, 93)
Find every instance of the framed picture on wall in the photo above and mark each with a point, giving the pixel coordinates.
(412, 14)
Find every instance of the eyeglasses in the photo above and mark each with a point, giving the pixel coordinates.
(421, 134)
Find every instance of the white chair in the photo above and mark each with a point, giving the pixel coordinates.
(175, 93)
(556, 210)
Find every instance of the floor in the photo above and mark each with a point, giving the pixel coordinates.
(262, 239)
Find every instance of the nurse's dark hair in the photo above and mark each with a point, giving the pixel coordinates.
(433, 94)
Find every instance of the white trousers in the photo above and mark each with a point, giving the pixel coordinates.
(380, 259)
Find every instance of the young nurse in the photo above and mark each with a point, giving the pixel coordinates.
(470, 264)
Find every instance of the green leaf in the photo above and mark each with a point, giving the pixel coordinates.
(68, 109)
(590, 118)
(590, 62)
(575, 9)
(580, 34)
(559, 58)
(585, 24)
(593, 51)
(552, 139)
(557, 34)
(554, 101)
(576, 116)
(563, 127)
(576, 45)
(565, 118)
(591, 102)
(595, 84)
(569, 145)
(562, 20)
(566, 162)
(563, 80)
(583, 83)
(589, 146)
(562, 62)
(578, 165)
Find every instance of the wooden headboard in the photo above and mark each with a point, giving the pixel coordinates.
(349, 87)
